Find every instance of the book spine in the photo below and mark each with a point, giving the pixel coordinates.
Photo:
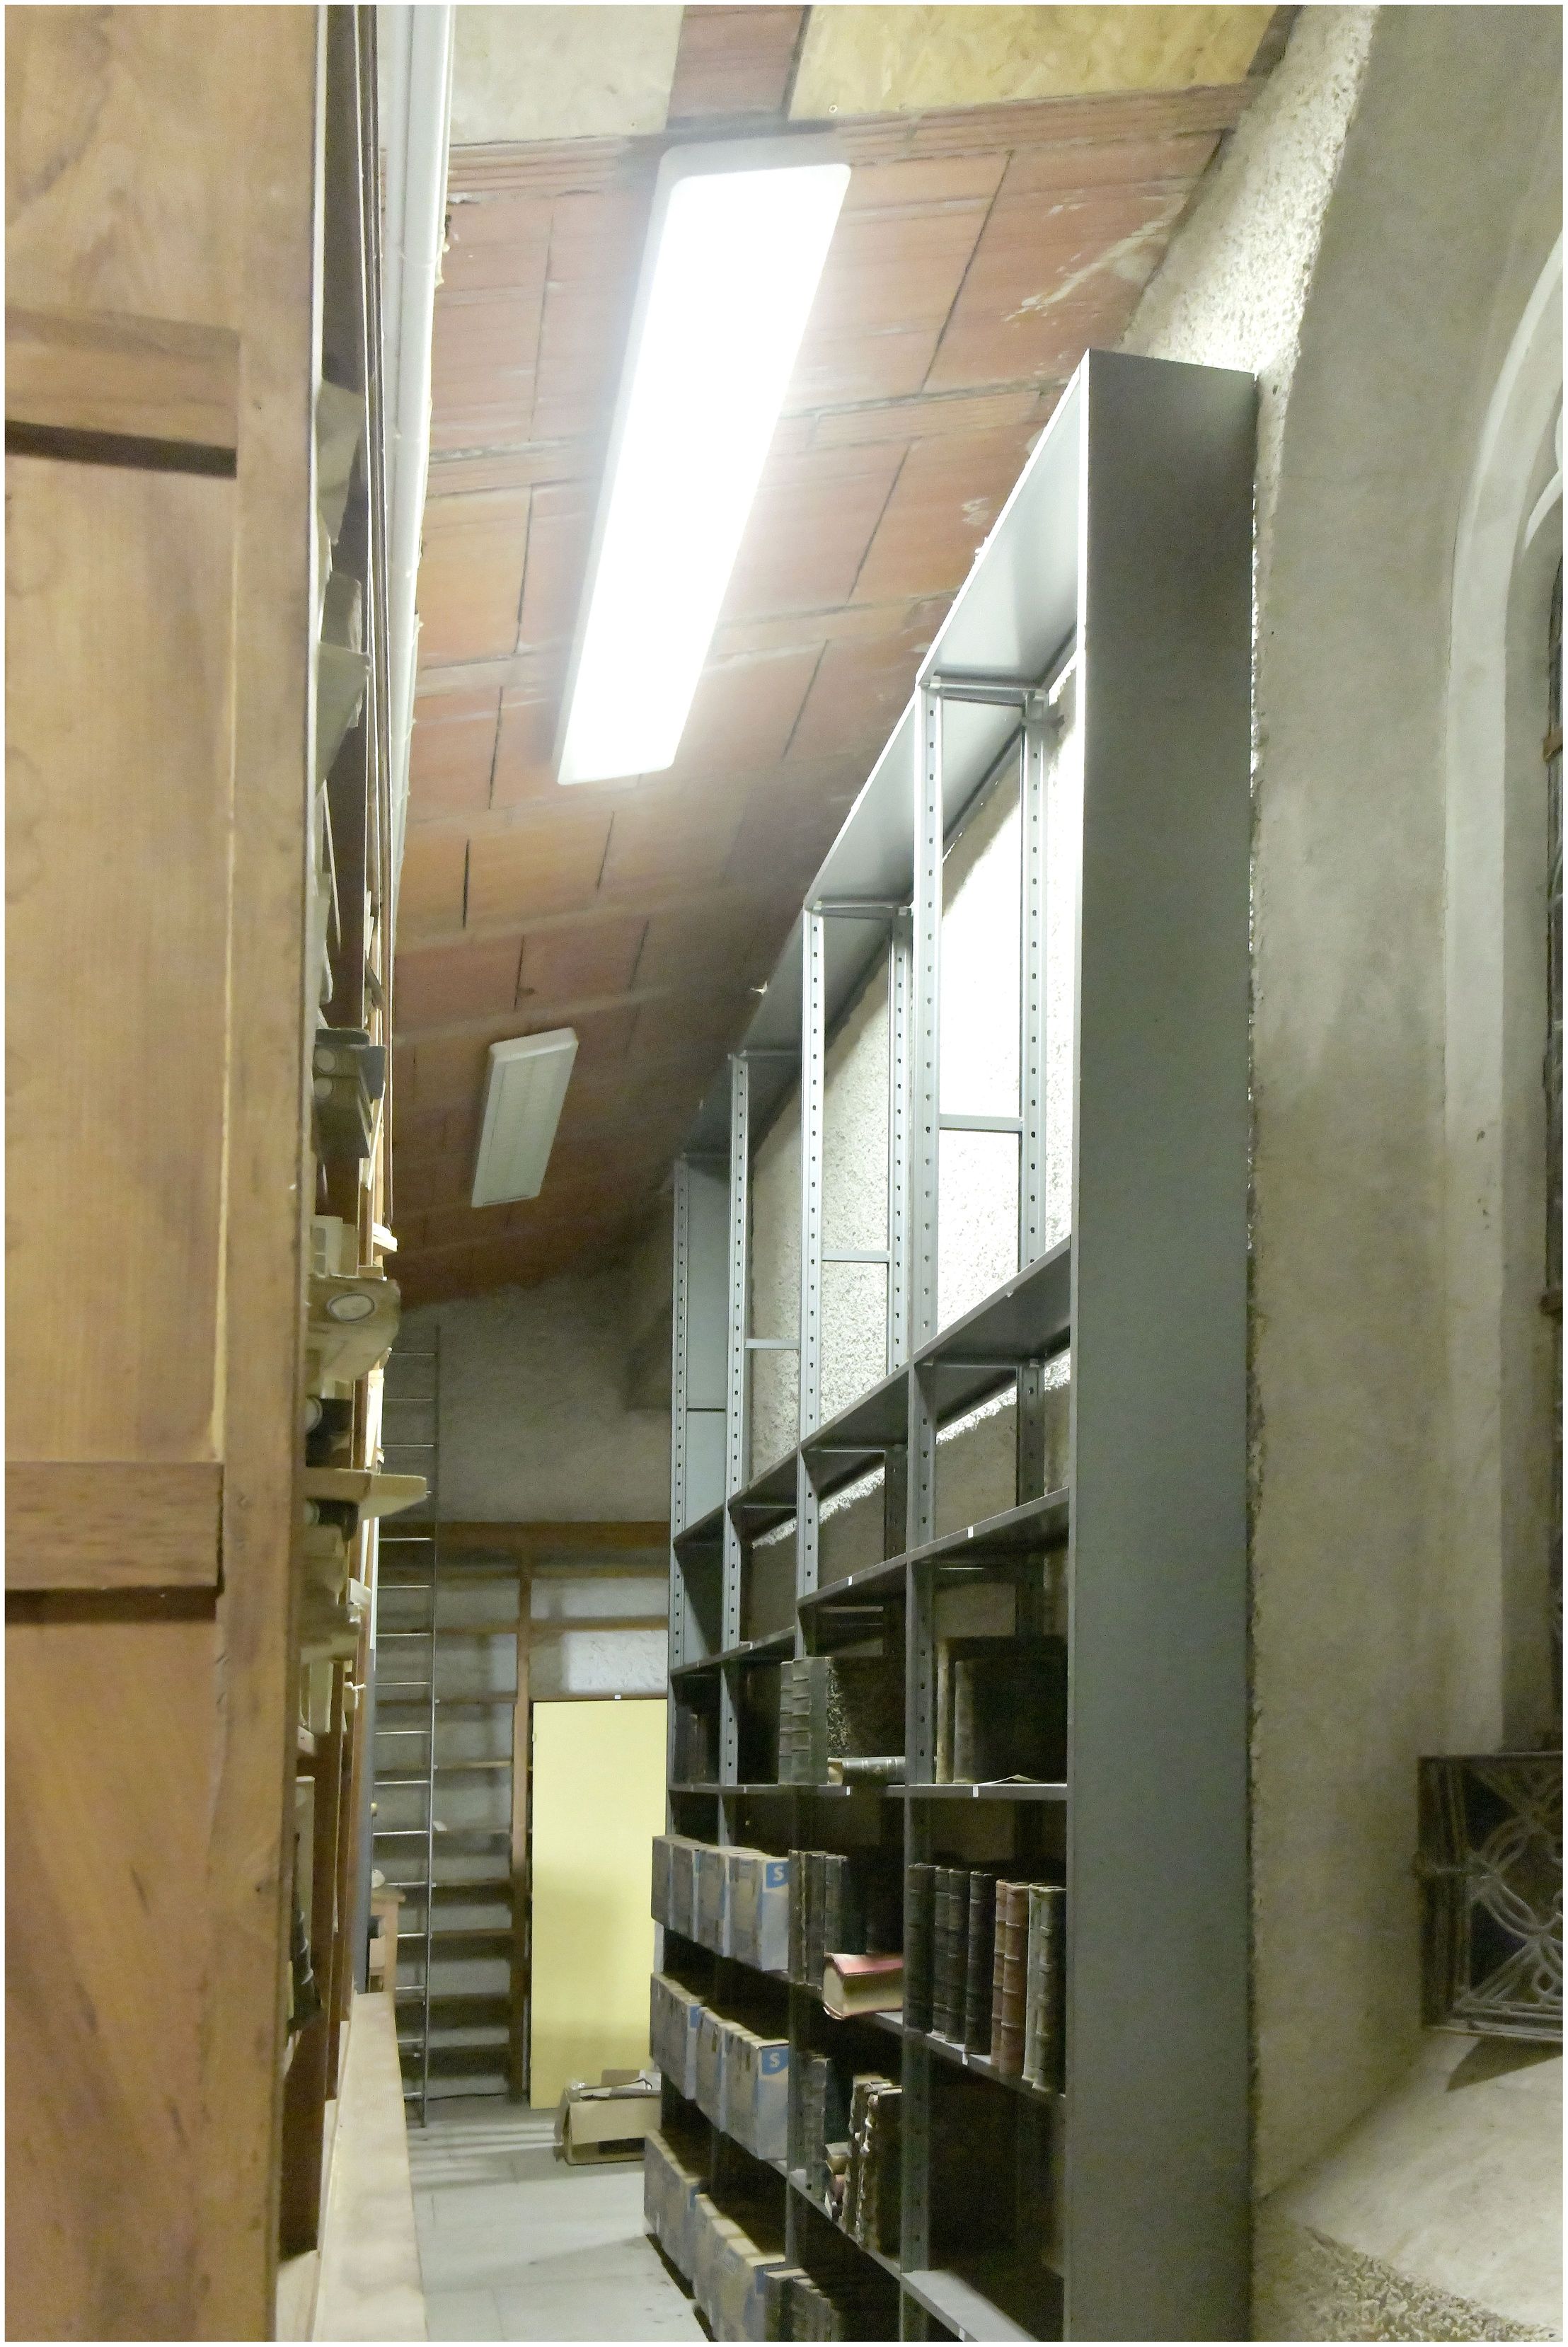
(955, 1954)
(1051, 2057)
(813, 1720)
(815, 1889)
(1012, 1948)
(1033, 1984)
(797, 1880)
(812, 2123)
(979, 1960)
(918, 1891)
(999, 1968)
(885, 1770)
(850, 2212)
(941, 1924)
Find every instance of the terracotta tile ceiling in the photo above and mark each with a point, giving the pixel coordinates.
(980, 250)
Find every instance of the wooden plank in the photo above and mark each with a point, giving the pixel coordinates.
(522, 1826)
(109, 1759)
(310, 2080)
(118, 789)
(342, 1909)
(136, 378)
(269, 73)
(556, 1628)
(565, 1539)
(369, 2285)
(122, 1524)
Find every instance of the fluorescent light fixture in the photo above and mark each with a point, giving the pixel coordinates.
(528, 1083)
(736, 245)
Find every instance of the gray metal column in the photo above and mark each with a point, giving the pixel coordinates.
(678, 1429)
(813, 1109)
(1157, 2212)
(736, 1399)
(1032, 970)
(899, 987)
(924, 1120)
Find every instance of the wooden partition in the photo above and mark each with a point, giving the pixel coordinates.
(169, 276)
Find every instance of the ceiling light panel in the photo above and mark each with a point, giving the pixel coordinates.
(736, 248)
(527, 1086)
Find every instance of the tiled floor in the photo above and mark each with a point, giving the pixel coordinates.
(515, 2245)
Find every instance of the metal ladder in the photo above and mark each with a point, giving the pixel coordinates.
(412, 1549)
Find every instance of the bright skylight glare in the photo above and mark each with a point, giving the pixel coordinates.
(739, 257)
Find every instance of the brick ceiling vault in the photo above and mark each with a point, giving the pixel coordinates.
(981, 250)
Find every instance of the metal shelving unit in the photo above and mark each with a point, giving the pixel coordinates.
(1125, 548)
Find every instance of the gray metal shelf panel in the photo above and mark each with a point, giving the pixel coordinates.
(698, 1537)
(1001, 1788)
(1016, 1532)
(960, 2305)
(1027, 1319)
(1033, 1524)
(754, 1651)
(961, 2057)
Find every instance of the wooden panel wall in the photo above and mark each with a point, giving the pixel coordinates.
(119, 809)
(163, 172)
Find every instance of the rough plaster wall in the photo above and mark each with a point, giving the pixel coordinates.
(581, 1659)
(535, 1422)
(1370, 324)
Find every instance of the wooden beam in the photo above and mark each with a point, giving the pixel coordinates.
(556, 1628)
(112, 1523)
(535, 1539)
(140, 379)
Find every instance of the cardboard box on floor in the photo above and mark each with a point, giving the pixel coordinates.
(607, 2121)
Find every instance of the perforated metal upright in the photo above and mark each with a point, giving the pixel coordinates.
(1124, 551)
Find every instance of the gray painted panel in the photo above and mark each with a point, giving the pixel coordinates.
(704, 1462)
(707, 1240)
(1156, 2215)
(1018, 604)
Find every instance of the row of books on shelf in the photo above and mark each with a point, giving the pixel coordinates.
(983, 1957)
(985, 1967)
(841, 1719)
(837, 1907)
(1002, 1709)
(853, 2151)
(732, 1900)
(737, 2077)
(739, 2274)
(1001, 1713)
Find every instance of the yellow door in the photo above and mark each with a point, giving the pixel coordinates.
(599, 1801)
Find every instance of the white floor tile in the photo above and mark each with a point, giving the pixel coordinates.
(514, 2244)
(463, 2314)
